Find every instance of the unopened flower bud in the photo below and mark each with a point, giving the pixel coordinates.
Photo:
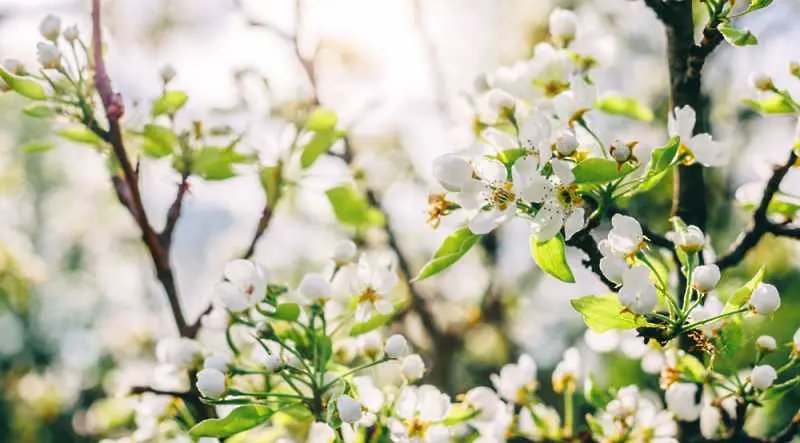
(501, 102)
(49, 55)
(211, 383)
(690, 240)
(50, 27)
(705, 277)
(412, 367)
(349, 409)
(272, 362)
(620, 151)
(71, 33)
(765, 299)
(13, 66)
(315, 288)
(370, 344)
(763, 376)
(766, 343)
(344, 252)
(794, 69)
(566, 143)
(796, 342)
(219, 362)
(452, 171)
(396, 346)
(563, 25)
(761, 81)
(167, 73)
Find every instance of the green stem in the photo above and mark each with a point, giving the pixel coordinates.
(569, 411)
(582, 123)
(266, 394)
(706, 321)
(354, 370)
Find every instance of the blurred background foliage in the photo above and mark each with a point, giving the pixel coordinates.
(79, 310)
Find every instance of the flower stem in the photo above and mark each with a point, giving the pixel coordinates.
(706, 321)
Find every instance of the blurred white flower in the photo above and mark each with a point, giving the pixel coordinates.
(412, 367)
(484, 400)
(706, 151)
(219, 362)
(680, 399)
(167, 73)
(370, 344)
(763, 376)
(49, 55)
(178, 352)
(245, 287)
(372, 286)
(419, 412)
(766, 343)
(211, 383)
(692, 239)
(567, 372)
(397, 346)
(344, 252)
(50, 27)
(620, 151)
(349, 409)
(706, 277)
(517, 381)
(566, 143)
(452, 171)
(710, 421)
(637, 292)
(563, 24)
(765, 299)
(760, 81)
(321, 432)
(314, 288)
(71, 33)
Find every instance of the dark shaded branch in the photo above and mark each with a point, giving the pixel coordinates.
(789, 432)
(261, 228)
(761, 224)
(584, 241)
(174, 212)
(146, 389)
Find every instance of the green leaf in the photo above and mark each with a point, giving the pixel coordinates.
(376, 321)
(737, 37)
(774, 104)
(80, 134)
(169, 103)
(39, 110)
(324, 348)
(239, 420)
(595, 395)
(24, 86)
(452, 249)
(351, 207)
(604, 312)
(509, 156)
(755, 5)
(599, 170)
(624, 106)
(661, 160)
(321, 119)
(319, 144)
(271, 177)
(287, 312)
(551, 256)
(742, 295)
(779, 390)
(460, 413)
(159, 141)
(216, 163)
(36, 146)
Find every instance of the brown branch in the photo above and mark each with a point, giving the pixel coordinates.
(584, 241)
(653, 237)
(127, 186)
(145, 389)
(761, 224)
(174, 212)
(789, 432)
(261, 228)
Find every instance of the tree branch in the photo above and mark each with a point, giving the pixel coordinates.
(761, 224)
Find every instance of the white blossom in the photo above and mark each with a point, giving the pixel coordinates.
(452, 171)
(568, 371)
(178, 352)
(372, 286)
(246, 285)
(516, 381)
(637, 292)
(566, 143)
(314, 288)
(620, 151)
(760, 81)
(763, 376)
(167, 73)
(71, 33)
(321, 432)
(625, 237)
(412, 367)
(397, 346)
(710, 421)
(766, 343)
(563, 24)
(219, 362)
(50, 27)
(691, 239)
(370, 344)
(484, 400)
(500, 102)
(49, 55)
(419, 411)
(706, 277)
(560, 203)
(211, 383)
(344, 252)
(680, 399)
(765, 299)
(706, 151)
(349, 409)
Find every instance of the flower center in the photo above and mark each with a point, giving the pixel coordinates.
(368, 295)
(502, 196)
(554, 87)
(567, 196)
(417, 428)
(438, 206)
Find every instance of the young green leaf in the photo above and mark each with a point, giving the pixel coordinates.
(452, 249)
(595, 395)
(376, 321)
(216, 163)
(319, 144)
(604, 312)
(624, 106)
(159, 141)
(271, 182)
(36, 146)
(24, 86)
(742, 295)
(661, 160)
(39, 110)
(239, 420)
(599, 171)
(287, 312)
(351, 208)
(774, 104)
(169, 103)
(551, 256)
(737, 37)
(321, 119)
(756, 5)
(80, 134)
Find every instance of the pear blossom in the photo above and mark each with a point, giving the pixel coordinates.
(760, 81)
(572, 104)
(567, 372)
(560, 203)
(705, 150)
(711, 308)
(321, 432)
(501, 103)
(167, 73)
(625, 238)
(397, 346)
(419, 412)
(211, 383)
(563, 24)
(452, 171)
(371, 399)
(632, 416)
(219, 362)
(412, 367)
(691, 239)
(765, 299)
(620, 151)
(637, 292)
(372, 286)
(13, 66)
(612, 265)
(516, 381)
(705, 277)
(763, 376)
(178, 352)
(344, 252)
(680, 399)
(245, 287)
(349, 409)
(484, 400)
(566, 143)
(49, 55)
(550, 68)
(71, 33)
(766, 343)
(50, 27)
(370, 344)
(710, 421)
(314, 288)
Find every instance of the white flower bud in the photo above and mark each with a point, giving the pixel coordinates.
(344, 252)
(681, 401)
(370, 344)
(49, 55)
(397, 346)
(50, 27)
(412, 368)
(691, 240)
(766, 343)
(349, 409)
(620, 151)
(315, 288)
(613, 268)
(167, 73)
(501, 101)
(13, 66)
(566, 143)
(321, 432)
(706, 277)
(563, 24)
(710, 420)
(272, 362)
(71, 33)
(219, 362)
(211, 383)
(763, 376)
(452, 171)
(796, 341)
(760, 81)
(765, 299)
